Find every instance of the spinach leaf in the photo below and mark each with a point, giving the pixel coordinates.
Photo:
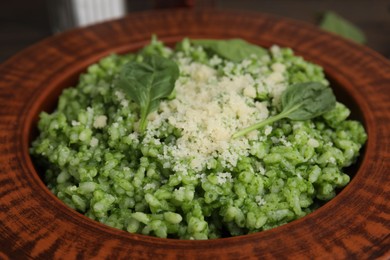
(147, 82)
(302, 101)
(336, 24)
(235, 49)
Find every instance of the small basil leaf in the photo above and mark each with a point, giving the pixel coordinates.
(334, 23)
(313, 98)
(302, 101)
(147, 82)
(234, 50)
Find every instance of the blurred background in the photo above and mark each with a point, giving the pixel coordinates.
(25, 22)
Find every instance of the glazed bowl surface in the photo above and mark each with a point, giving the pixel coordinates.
(34, 223)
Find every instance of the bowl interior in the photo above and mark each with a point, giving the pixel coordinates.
(50, 100)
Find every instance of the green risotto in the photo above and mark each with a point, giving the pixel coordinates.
(147, 142)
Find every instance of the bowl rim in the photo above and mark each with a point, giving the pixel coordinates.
(320, 40)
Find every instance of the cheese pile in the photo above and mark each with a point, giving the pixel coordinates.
(208, 109)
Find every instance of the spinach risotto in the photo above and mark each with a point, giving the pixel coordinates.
(211, 139)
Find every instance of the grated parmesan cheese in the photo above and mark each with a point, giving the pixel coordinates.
(120, 95)
(208, 109)
(75, 123)
(313, 143)
(100, 121)
(223, 177)
(149, 186)
(94, 142)
(267, 130)
(260, 201)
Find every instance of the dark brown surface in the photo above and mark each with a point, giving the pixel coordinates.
(24, 22)
(34, 223)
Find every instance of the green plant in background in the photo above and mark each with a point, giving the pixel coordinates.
(334, 23)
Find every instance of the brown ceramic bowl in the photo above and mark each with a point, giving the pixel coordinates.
(35, 224)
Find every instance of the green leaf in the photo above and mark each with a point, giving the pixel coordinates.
(313, 99)
(235, 49)
(334, 23)
(147, 82)
(302, 101)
